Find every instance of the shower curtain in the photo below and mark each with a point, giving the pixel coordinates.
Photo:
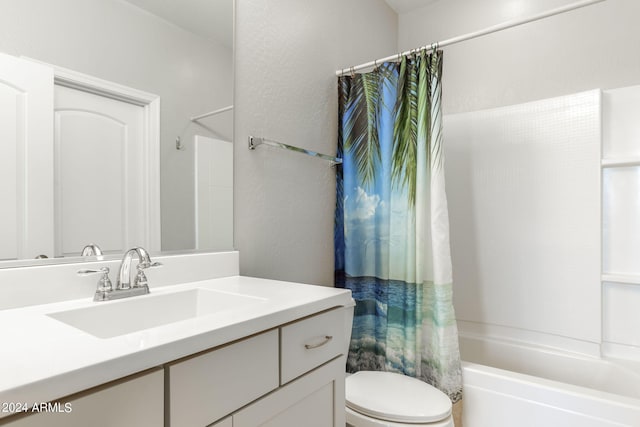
(392, 226)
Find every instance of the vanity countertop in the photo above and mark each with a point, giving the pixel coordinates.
(43, 359)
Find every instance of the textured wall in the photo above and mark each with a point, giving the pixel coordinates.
(593, 47)
(286, 54)
(116, 41)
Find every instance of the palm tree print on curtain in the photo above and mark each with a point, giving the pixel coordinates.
(392, 226)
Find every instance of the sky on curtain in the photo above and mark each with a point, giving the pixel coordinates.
(377, 215)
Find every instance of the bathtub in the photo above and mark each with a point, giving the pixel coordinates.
(508, 383)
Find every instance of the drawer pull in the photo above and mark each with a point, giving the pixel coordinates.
(327, 338)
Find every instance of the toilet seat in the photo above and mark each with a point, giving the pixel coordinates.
(395, 398)
(355, 419)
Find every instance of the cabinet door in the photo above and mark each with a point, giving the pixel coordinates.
(210, 386)
(26, 159)
(313, 400)
(136, 402)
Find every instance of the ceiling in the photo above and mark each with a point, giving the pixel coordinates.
(212, 19)
(404, 6)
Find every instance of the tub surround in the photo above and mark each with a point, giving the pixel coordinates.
(45, 359)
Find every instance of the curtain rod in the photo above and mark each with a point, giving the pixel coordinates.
(221, 110)
(473, 35)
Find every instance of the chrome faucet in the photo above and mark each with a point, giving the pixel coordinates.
(124, 288)
(91, 249)
(124, 276)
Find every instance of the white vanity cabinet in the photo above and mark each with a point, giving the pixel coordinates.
(209, 386)
(135, 401)
(289, 376)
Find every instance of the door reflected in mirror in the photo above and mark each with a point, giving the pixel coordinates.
(80, 165)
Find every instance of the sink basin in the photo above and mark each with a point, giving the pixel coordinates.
(111, 319)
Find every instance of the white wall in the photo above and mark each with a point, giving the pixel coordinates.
(286, 54)
(115, 41)
(593, 47)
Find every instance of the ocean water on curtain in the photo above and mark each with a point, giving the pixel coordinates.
(385, 317)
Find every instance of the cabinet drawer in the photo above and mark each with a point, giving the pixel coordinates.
(136, 401)
(205, 388)
(311, 342)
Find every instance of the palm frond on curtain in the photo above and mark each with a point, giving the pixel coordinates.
(405, 130)
(432, 67)
(390, 183)
(360, 132)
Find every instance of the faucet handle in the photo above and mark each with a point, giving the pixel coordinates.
(104, 283)
(88, 271)
(144, 265)
(141, 279)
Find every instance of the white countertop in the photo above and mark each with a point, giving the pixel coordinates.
(42, 359)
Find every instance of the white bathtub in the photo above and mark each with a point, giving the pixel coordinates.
(509, 384)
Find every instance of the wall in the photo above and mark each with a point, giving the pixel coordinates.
(116, 41)
(593, 47)
(287, 52)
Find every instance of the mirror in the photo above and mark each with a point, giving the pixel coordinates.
(179, 50)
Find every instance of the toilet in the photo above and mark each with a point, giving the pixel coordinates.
(386, 399)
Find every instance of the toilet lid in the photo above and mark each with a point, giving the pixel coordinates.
(395, 397)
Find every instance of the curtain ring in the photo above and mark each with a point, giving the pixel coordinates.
(375, 64)
(353, 72)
